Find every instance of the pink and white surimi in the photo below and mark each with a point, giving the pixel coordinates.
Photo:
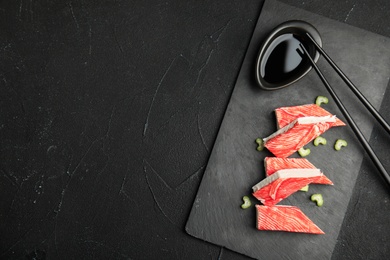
(297, 126)
(283, 183)
(285, 218)
(274, 164)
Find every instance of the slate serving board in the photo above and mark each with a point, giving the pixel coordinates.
(235, 165)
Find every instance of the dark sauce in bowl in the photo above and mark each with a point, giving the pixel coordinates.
(279, 62)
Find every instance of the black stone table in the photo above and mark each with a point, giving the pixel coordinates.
(109, 111)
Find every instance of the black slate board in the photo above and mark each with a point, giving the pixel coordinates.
(235, 166)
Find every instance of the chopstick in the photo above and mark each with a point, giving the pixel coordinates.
(356, 91)
(350, 120)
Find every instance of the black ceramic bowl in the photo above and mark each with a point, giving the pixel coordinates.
(279, 64)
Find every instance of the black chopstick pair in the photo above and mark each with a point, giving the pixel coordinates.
(348, 117)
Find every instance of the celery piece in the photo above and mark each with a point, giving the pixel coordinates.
(306, 188)
(321, 100)
(339, 144)
(247, 202)
(319, 140)
(260, 144)
(317, 197)
(304, 152)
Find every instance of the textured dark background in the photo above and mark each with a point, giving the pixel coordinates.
(109, 111)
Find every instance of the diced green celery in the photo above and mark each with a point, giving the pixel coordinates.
(317, 197)
(260, 144)
(306, 188)
(304, 152)
(339, 144)
(247, 202)
(319, 140)
(321, 100)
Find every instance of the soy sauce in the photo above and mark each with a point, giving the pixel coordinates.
(282, 60)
